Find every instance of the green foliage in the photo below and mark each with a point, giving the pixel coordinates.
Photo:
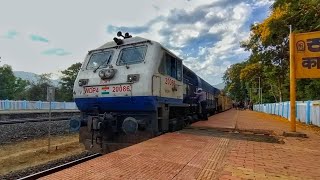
(269, 46)
(69, 75)
(234, 86)
(13, 88)
(10, 86)
(38, 91)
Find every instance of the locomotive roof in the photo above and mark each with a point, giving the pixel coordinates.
(132, 40)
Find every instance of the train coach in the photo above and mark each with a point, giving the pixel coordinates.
(132, 89)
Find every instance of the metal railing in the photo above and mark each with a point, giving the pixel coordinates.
(306, 111)
(34, 105)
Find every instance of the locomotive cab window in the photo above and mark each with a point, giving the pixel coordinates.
(162, 66)
(173, 67)
(99, 59)
(179, 69)
(132, 55)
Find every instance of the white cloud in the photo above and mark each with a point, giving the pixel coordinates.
(207, 29)
(260, 3)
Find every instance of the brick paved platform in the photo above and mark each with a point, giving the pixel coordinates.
(207, 153)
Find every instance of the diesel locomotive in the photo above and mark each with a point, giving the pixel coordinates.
(132, 89)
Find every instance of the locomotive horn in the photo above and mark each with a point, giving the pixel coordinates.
(127, 35)
(119, 34)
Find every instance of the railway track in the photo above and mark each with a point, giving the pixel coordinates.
(25, 120)
(59, 167)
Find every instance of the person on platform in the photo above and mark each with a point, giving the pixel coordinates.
(202, 100)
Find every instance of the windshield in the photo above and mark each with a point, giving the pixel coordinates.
(99, 59)
(132, 55)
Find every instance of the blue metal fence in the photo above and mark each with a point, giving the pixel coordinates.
(306, 111)
(34, 105)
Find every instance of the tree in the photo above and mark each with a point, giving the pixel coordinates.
(38, 91)
(269, 47)
(269, 41)
(234, 86)
(67, 81)
(10, 86)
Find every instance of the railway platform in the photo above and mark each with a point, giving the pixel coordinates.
(230, 145)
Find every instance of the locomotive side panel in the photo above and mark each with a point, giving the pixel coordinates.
(167, 81)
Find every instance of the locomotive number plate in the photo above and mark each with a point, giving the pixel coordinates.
(117, 90)
(121, 88)
(91, 90)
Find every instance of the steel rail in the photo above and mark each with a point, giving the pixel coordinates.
(59, 167)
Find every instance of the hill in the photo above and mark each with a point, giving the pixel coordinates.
(32, 77)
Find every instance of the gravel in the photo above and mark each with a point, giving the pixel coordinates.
(51, 164)
(22, 131)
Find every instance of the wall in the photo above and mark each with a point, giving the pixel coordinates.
(306, 111)
(34, 105)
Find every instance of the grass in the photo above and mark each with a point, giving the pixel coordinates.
(34, 152)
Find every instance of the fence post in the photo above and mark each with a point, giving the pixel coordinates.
(288, 104)
(308, 112)
(282, 108)
(6, 104)
(297, 109)
(39, 104)
(267, 108)
(24, 104)
(270, 108)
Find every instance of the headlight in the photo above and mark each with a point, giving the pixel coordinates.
(107, 73)
(101, 74)
(83, 82)
(133, 77)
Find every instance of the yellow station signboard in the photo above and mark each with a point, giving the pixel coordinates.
(307, 55)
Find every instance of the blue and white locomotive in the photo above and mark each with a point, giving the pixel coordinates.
(132, 89)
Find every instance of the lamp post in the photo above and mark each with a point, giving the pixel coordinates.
(260, 94)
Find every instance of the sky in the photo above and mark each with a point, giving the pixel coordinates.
(43, 36)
